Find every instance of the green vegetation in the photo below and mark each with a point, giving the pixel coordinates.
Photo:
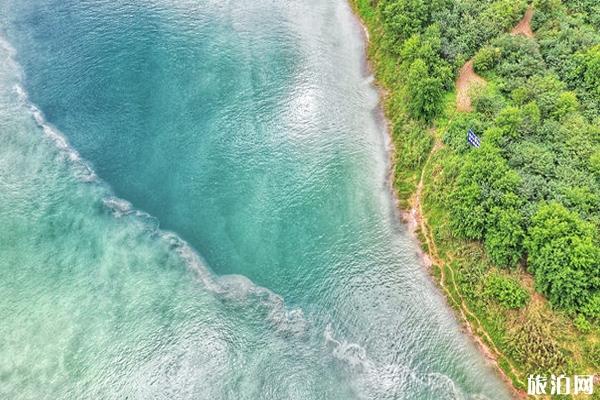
(532, 344)
(507, 291)
(564, 256)
(516, 222)
(486, 59)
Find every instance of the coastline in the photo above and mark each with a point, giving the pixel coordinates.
(415, 222)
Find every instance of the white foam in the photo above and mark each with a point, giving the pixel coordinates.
(351, 353)
(20, 92)
(119, 207)
(241, 290)
(233, 287)
(81, 168)
(10, 65)
(13, 72)
(286, 321)
(436, 379)
(376, 380)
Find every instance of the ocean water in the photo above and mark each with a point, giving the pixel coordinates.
(194, 204)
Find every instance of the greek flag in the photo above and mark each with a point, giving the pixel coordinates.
(473, 139)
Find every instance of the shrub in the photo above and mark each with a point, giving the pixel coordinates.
(486, 58)
(485, 181)
(412, 142)
(486, 101)
(531, 344)
(504, 237)
(456, 134)
(582, 324)
(592, 308)
(507, 291)
(564, 256)
(595, 163)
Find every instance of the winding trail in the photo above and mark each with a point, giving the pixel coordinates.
(415, 218)
(470, 321)
(467, 76)
(467, 79)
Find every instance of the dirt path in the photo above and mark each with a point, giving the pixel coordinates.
(415, 218)
(465, 81)
(467, 77)
(470, 320)
(524, 27)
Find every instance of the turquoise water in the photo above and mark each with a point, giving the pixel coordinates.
(194, 204)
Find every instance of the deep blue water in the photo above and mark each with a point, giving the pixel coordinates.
(194, 204)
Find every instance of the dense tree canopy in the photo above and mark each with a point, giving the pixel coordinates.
(531, 193)
(563, 254)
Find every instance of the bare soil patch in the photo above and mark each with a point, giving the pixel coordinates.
(466, 79)
(524, 27)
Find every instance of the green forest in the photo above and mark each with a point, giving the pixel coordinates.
(517, 220)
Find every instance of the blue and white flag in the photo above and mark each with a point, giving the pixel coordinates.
(473, 139)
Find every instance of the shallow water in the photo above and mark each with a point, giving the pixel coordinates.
(194, 204)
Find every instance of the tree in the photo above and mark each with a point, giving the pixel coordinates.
(588, 68)
(403, 18)
(547, 6)
(564, 256)
(532, 157)
(485, 181)
(546, 90)
(507, 291)
(510, 120)
(424, 93)
(565, 104)
(486, 58)
(502, 15)
(504, 237)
